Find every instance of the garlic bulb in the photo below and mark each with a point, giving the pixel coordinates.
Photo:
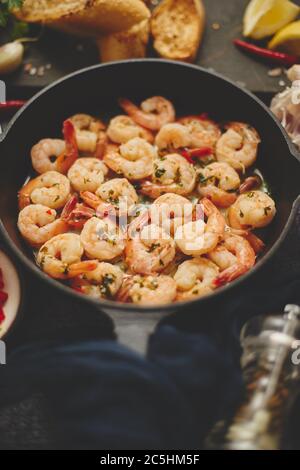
(11, 56)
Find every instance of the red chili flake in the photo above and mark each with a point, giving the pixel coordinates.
(186, 154)
(78, 289)
(2, 315)
(49, 211)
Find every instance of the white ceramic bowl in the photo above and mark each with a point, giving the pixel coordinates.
(12, 286)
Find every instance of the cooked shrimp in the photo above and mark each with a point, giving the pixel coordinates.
(102, 282)
(217, 181)
(50, 189)
(56, 154)
(38, 224)
(123, 128)
(44, 154)
(252, 210)
(60, 257)
(197, 237)
(154, 113)
(195, 278)
(234, 256)
(102, 239)
(172, 137)
(172, 174)
(148, 290)
(203, 131)
(257, 243)
(238, 145)
(151, 251)
(134, 159)
(119, 193)
(90, 134)
(86, 174)
(76, 214)
(171, 211)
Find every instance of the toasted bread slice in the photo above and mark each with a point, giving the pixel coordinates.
(177, 27)
(84, 17)
(128, 44)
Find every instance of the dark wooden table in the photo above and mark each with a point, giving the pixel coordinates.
(67, 54)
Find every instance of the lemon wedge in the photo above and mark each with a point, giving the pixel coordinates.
(265, 17)
(287, 39)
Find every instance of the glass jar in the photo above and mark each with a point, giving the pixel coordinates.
(270, 364)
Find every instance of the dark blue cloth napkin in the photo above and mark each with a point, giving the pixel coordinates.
(103, 396)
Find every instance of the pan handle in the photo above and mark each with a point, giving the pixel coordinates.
(133, 329)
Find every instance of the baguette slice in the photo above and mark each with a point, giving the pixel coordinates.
(128, 44)
(177, 28)
(84, 17)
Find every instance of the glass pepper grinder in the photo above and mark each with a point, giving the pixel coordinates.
(271, 370)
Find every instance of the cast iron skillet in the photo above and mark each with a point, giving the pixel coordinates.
(193, 90)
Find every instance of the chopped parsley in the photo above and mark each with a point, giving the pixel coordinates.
(105, 288)
(159, 172)
(153, 247)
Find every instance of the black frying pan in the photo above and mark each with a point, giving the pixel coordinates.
(193, 90)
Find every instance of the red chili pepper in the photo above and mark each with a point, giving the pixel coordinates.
(13, 104)
(189, 154)
(279, 57)
(3, 297)
(2, 315)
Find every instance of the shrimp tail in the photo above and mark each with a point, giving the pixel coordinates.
(76, 269)
(24, 194)
(257, 244)
(68, 157)
(124, 292)
(23, 199)
(230, 274)
(69, 207)
(101, 145)
(128, 106)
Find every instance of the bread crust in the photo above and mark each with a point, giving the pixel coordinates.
(89, 18)
(177, 28)
(128, 44)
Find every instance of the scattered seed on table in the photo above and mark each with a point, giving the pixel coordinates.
(216, 26)
(41, 71)
(27, 67)
(275, 72)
